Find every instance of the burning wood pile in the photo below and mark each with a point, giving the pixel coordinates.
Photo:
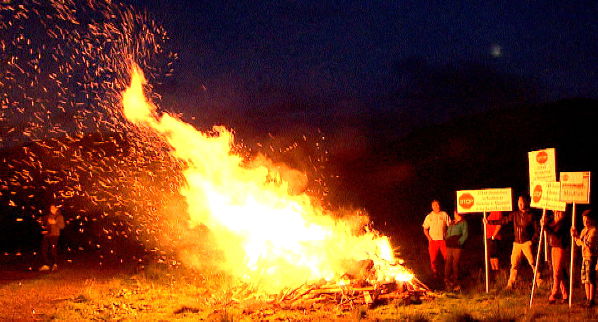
(353, 290)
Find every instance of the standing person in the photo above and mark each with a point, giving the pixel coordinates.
(525, 230)
(556, 230)
(435, 226)
(52, 224)
(456, 235)
(494, 237)
(588, 242)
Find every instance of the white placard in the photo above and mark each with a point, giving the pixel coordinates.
(484, 200)
(547, 195)
(542, 165)
(575, 187)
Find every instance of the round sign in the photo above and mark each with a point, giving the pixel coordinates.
(537, 193)
(466, 201)
(542, 157)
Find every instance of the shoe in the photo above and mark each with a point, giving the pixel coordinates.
(564, 301)
(551, 300)
(54, 268)
(539, 282)
(44, 268)
(509, 286)
(589, 303)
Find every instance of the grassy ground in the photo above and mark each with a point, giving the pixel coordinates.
(77, 292)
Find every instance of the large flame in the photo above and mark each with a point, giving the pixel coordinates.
(268, 235)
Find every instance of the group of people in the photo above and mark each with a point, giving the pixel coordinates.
(446, 237)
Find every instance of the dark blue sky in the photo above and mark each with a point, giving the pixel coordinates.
(427, 61)
(321, 46)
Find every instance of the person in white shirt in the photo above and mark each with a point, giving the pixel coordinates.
(435, 226)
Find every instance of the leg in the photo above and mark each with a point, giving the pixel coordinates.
(515, 259)
(556, 281)
(529, 255)
(44, 250)
(448, 264)
(433, 251)
(53, 241)
(456, 260)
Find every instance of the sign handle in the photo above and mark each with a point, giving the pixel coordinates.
(571, 270)
(545, 247)
(531, 300)
(486, 252)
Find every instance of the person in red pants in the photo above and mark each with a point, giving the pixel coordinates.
(435, 226)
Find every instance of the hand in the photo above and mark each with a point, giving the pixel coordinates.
(544, 221)
(573, 232)
(485, 221)
(51, 221)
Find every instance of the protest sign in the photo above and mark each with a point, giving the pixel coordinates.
(575, 187)
(547, 195)
(484, 200)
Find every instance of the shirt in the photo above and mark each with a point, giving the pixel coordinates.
(437, 222)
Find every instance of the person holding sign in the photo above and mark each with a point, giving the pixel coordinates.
(493, 239)
(456, 235)
(525, 229)
(556, 230)
(435, 225)
(589, 244)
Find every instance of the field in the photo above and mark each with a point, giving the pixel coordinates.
(81, 291)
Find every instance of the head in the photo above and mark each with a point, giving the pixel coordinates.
(523, 202)
(458, 216)
(53, 209)
(558, 215)
(435, 205)
(588, 218)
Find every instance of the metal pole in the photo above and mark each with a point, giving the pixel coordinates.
(531, 300)
(572, 256)
(486, 252)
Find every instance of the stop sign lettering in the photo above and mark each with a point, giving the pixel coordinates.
(466, 201)
(542, 157)
(537, 193)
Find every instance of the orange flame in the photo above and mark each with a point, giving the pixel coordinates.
(269, 236)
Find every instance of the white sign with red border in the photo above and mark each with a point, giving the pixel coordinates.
(547, 195)
(484, 200)
(542, 165)
(575, 187)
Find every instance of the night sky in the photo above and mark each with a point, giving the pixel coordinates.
(244, 55)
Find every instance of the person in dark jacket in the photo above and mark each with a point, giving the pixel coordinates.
(525, 229)
(557, 231)
(52, 224)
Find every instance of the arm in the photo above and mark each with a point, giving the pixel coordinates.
(427, 233)
(496, 231)
(503, 221)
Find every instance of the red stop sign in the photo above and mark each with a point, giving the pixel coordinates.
(542, 157)
(466, 201)
(537, 193)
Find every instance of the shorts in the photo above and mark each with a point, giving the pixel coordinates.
(588, 271)
(493, 247)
